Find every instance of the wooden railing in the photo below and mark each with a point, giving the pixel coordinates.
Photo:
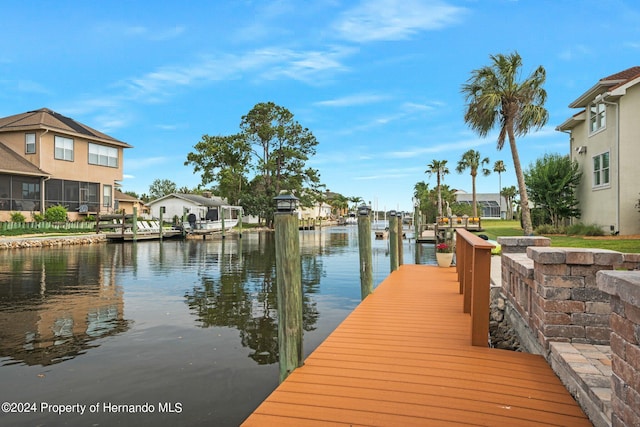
(473, 264)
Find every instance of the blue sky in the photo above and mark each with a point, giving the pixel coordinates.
(377, 82)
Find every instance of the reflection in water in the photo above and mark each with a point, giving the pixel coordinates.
(243, 296)
(53, 304)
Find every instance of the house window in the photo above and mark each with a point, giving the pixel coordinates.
(106, 195)
(103, 156)
(30, 143)
(601, 170)
(597, 116)
(63, 148)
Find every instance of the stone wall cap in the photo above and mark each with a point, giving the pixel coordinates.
(524, 241)
(623, 284)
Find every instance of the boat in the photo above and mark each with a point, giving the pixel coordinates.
(209, 221)
(145, 230)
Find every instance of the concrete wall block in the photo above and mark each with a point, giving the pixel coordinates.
(519, 244)
(546, 255)
(607, 258)
(633, 356)
(563, 306)
(564, 331)
(556, 319)
(580, 256)
(585, 319)
(598, 334)
(625, 372)
(561, 281)
(631, 312)
(589, 294)
(544, 340)
(584, 270)
(618, 345)
(555, 293)
(598, 307)
(625, 328)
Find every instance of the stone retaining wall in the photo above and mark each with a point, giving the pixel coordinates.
(51, 241)
(624, 290)
(555, 293)
(571, 295)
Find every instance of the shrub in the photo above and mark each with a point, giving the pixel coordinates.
(89, 218)
(584, 230)
(56, 214)
(37, 217)
(17, 217)
(549, 229)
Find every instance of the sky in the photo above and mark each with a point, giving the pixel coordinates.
(377, 82)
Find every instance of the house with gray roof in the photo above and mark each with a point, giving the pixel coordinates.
(47, 159)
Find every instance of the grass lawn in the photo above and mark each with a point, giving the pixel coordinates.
(498, 228)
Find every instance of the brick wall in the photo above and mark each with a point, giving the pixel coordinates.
(624, 290)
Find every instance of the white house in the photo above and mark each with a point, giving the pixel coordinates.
(205, 207)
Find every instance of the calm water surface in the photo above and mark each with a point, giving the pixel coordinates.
(187, 330)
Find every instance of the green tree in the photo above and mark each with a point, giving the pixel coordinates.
(439, 169)
(499, 167)
(471, 160)
(495, 97)
(224, 160)
(552, 181)
(161, 187)
(282, 147)
(509, 194)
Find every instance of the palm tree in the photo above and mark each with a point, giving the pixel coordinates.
(498, 166)
(509, 194)
(494, 96)
(439, 168)
(471, 160)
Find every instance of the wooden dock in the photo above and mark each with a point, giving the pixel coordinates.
(404, 358)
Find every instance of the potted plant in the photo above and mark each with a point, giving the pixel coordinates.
(444, 254)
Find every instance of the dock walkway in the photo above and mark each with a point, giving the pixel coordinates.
(404, 357)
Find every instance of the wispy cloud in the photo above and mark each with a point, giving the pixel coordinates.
(439, 148)
(574, 52)
(351, 100)
(142, 32)
(395, 19)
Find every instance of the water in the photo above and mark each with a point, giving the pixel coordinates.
(186, 330)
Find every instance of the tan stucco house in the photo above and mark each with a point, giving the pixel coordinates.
(605, 141)
(125, 203)
(47, 159)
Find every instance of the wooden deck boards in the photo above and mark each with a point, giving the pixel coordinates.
(404, 357)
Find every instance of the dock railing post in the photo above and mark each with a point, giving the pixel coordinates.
(134, 226)
(399, 217)
(474, 275)
(240, 224)
(480, 298)
(364, 247)
(393, 241)
(162, 208)
(288, 284)
(222, 218)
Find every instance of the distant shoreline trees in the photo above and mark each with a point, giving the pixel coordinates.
(271, 145)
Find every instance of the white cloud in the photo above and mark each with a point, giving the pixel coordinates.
(395, 19)
(351, 100)
(574, 52)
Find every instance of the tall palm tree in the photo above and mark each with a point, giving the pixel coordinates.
(494, 96)
(498, 166)
(440, 169)
(509, 194)
(471, 160)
